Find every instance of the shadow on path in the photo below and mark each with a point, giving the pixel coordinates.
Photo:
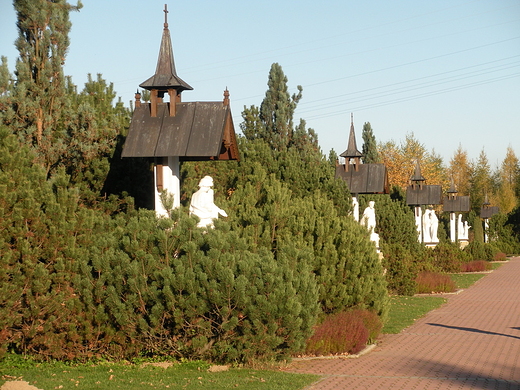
(474, 330)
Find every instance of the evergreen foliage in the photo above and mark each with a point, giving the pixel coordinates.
(282, 196)
(68, 130)
(85, 274)
(369, 150)
(39, 100)
(401, 250)
(480, 181)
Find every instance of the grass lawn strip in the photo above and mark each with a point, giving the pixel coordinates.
(134, 377)
(404, 311)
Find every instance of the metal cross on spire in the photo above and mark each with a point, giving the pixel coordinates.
(165, 15)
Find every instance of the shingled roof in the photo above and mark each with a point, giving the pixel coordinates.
(367, 179)
(198, 131)
(191, 131)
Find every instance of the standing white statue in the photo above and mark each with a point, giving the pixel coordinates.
(355, 209)
(202, 204)
(418, 222)
(427, 225)
(466, 230)
(460, 229)
(463, 229)
(434, 227)
(369, 220)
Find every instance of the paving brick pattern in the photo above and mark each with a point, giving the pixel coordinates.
(471, 342)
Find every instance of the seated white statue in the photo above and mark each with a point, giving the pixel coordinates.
(202, 204)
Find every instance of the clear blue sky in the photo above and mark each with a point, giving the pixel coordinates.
(447, 71)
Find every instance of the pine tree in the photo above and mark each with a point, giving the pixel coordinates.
(369, 150)
(460, 171)
(77, 132)
(93, 126)
(507, 178)
(5, 82)
(40, 94)
(480, 181)
(275, 113)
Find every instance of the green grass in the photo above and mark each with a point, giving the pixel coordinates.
(404, 311)
(466, 280)
(111, 376)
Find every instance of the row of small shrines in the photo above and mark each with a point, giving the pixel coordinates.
(373, 179)
(173, 131)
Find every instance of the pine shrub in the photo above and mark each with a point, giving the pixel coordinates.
(79, 284)
(448, 257)
(204, 295)
(434, 282)
(481, 251)
(401, 270)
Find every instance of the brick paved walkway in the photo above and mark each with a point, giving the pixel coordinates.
(471, 342)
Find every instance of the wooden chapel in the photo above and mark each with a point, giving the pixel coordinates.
(169, 132)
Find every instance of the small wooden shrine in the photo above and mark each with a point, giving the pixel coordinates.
(361, 178)
(456, 204)
(418, 195)
(175, 131)
(486, 212)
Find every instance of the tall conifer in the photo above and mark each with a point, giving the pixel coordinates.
(369, 150)
(39, 98)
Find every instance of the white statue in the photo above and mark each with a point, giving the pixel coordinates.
(418, 221)
(434, 227)
(427, 225)
(453, 223)
(202, 204)
(369, 220)
(430, 226)
(466, 230)
(463, 229)
(355, 209)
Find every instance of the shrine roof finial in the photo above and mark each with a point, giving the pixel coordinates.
(165, 76)
(165, 15)
(352, 151)
(417, 177)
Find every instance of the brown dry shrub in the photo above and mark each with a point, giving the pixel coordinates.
(476, 266)
(340, 333)
(434, 282)
(372, 322)
(499, 256)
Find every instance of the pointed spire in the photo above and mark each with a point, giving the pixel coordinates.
(452, 189)
(486, 203)
(165, 76)
(352, 150)
(417, 177)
